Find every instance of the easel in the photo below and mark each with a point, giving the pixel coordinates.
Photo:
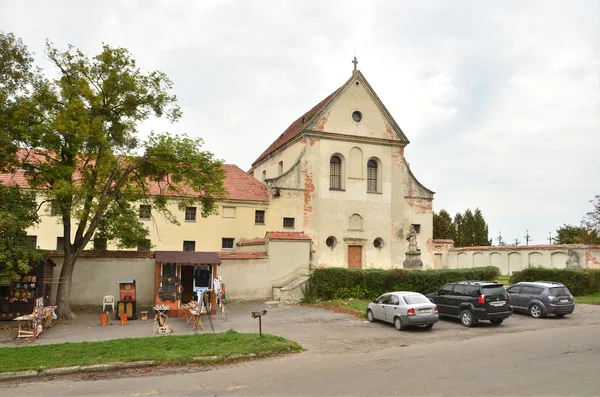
(160, 321)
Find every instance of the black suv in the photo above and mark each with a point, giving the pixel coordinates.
(471, 301)
(541, 298)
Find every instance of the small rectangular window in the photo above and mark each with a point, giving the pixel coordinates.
(32, 241)
(190, 214)
(144, 246)
(145, 211)
(60, 243)
(417, 228)
(189, 246)
(228, 212)
(259, 217)
(227, 243)
(100, 244)
(54, 210)
(288, 223)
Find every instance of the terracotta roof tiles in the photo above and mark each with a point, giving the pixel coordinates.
(251, 241)
(298, 236)
(227, 255)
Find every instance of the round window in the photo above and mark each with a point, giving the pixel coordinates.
(378, 242)
(331, 241)
(356, 116)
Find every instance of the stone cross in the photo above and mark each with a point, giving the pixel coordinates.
(355, 62)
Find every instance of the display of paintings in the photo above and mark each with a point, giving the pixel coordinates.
(169, 288)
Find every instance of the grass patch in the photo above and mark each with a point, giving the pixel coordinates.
(593, 299)
(357, 307)
(167, 349)
(503, 280)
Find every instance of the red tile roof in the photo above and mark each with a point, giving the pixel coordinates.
(295, 128)
(241, 186)
(238, 184)
(252, 241)
(226, 255)
(523, 247)
(105, 254)
(287, 236)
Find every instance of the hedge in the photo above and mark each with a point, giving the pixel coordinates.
(341, 283)
(579, 281)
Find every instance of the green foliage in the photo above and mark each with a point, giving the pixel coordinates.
(83, 149)
(579, 281)
(570, 234)
(341, 283)
(17, 213)
(443, 227)
(592, 218)
(467, 230)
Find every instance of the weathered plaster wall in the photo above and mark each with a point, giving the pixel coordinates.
(93, 278)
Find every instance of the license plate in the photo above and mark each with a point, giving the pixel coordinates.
(425, 311)
(497, 303)
(564, 301)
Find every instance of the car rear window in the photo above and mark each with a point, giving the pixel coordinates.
(413, 299)
(494, 290)
(559, 291)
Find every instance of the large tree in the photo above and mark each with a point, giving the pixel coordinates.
(79, 140)
(570, 234)
(443, 228)
(18, 211)
(592, 219)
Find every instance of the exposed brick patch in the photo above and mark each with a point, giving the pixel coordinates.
(312, 141)
(390, 131)
(420, 206)
(309, 188)
(320, 126)
(590, 260)
(398, 158)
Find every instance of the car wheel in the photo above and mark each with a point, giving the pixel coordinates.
(536, 311)
(560, 315)
(497, 321)
(398, 324)
(428, 326)
(466, 318)
(370, 316)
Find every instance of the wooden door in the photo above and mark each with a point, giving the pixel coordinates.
(354, 257)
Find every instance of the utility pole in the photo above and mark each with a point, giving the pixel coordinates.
(527, 238)
(499, 238)
(549, 238)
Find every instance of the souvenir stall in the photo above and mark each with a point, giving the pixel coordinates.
(18, 297)
(184, 279)
(127, 299)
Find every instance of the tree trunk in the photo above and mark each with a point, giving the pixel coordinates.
(63, 295)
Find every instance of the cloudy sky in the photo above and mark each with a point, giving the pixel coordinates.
(500, 100)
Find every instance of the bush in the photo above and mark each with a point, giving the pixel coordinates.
(341, 283)
(579, 281)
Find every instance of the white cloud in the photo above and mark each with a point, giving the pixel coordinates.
(501, 101)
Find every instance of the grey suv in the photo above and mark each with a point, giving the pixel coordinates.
(541, 298)
(471, 301)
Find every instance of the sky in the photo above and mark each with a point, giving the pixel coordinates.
(500, 100)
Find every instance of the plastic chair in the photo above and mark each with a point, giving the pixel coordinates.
(108, 300)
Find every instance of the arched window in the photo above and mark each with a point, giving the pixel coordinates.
(335, 173)
(264, 175)
(280, 167)
(372, 176)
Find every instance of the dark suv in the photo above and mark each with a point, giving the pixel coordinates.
(541, 298)
(471, 301)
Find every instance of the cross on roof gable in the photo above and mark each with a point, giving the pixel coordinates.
(308, 119)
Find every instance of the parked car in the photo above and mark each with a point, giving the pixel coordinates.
(403, 309)
(472, 301)
(541, 298)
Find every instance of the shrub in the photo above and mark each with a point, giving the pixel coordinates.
(579, 281)
(341, 283)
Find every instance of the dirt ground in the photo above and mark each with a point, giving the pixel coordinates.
(316, 329)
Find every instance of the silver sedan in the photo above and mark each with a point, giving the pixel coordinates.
(403, 309)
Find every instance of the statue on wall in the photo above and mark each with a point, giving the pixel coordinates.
(412, 240)
(573, 261)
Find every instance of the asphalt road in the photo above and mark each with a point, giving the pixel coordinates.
(553, 361)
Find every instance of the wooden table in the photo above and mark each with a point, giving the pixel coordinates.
(25, 321)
